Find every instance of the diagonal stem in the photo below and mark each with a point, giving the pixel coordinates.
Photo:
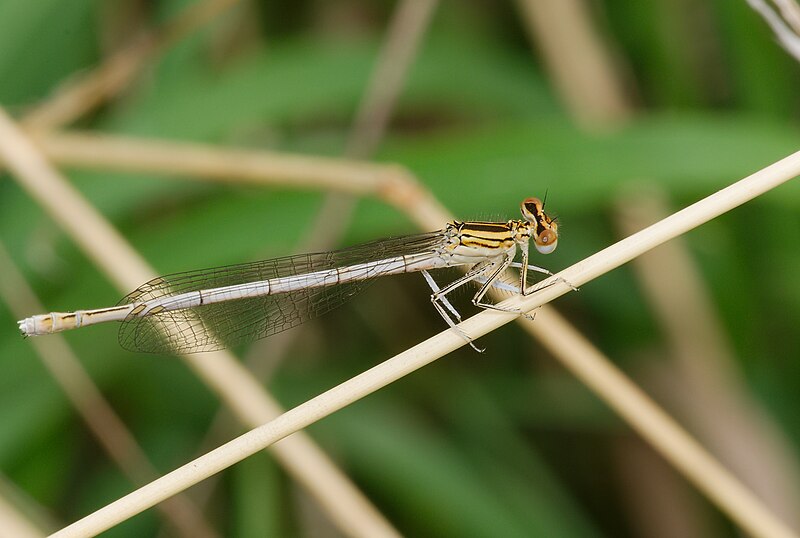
(585, 362)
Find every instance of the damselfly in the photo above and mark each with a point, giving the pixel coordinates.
(211, 309)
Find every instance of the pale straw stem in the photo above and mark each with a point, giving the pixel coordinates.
(407, 27)
(715, 398)
(576, 353)
(602, 377)
(787, 36)
(665, 435)
(790, 12)
(389, 182)
(205, 161)
(14, 524)
(578, 57)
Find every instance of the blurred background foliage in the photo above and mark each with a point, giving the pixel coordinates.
(500, 444)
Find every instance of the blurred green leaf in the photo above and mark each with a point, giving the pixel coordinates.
(42, 43)
(465, 447)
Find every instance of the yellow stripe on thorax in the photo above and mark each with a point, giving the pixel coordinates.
(486, 234)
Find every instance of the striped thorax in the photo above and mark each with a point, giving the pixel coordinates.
(470, 239)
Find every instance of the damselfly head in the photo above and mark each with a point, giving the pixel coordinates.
(544, 230)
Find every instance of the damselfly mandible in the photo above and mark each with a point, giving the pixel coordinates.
(211, 309)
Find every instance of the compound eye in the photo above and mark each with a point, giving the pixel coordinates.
(546, 242)
(531, 208)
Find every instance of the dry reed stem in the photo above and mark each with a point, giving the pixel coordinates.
(86, 398)
(633, 406)
(583, 68)
(389, 182)
(790, 12)
(14, 524)
(685, 454)
(748, 440)
(787, 37)
(407, 27)
(209, 162)
(87, 92)
(576, 353)
(346, 506)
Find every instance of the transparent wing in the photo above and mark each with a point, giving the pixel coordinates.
(226, 324)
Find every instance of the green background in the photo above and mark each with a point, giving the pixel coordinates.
(501, 444)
